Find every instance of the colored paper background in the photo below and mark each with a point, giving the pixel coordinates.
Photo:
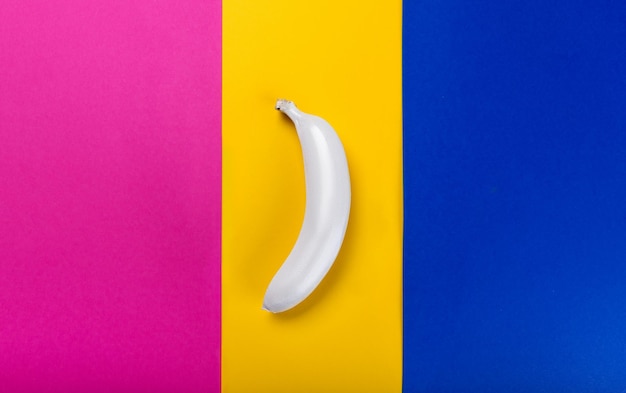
(110, 196)
(515, 190)
(341, 61)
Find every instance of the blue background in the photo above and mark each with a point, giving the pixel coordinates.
(515, 196)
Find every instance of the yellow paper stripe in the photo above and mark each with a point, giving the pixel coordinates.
(341, 61)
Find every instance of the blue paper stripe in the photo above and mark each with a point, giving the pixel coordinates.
(515, 196)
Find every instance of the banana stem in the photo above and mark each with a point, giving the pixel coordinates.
(289, 108)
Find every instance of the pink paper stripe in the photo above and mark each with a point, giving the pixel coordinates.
(110, 187)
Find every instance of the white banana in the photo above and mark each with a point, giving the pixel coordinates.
(326, 212)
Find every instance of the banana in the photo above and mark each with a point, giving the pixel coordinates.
(326, 212)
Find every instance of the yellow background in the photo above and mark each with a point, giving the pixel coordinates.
(340, 60)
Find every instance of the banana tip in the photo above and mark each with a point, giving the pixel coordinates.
(269, 309)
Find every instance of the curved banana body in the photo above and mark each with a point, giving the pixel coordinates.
(326, 213)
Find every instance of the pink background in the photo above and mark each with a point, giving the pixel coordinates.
(110, 195)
